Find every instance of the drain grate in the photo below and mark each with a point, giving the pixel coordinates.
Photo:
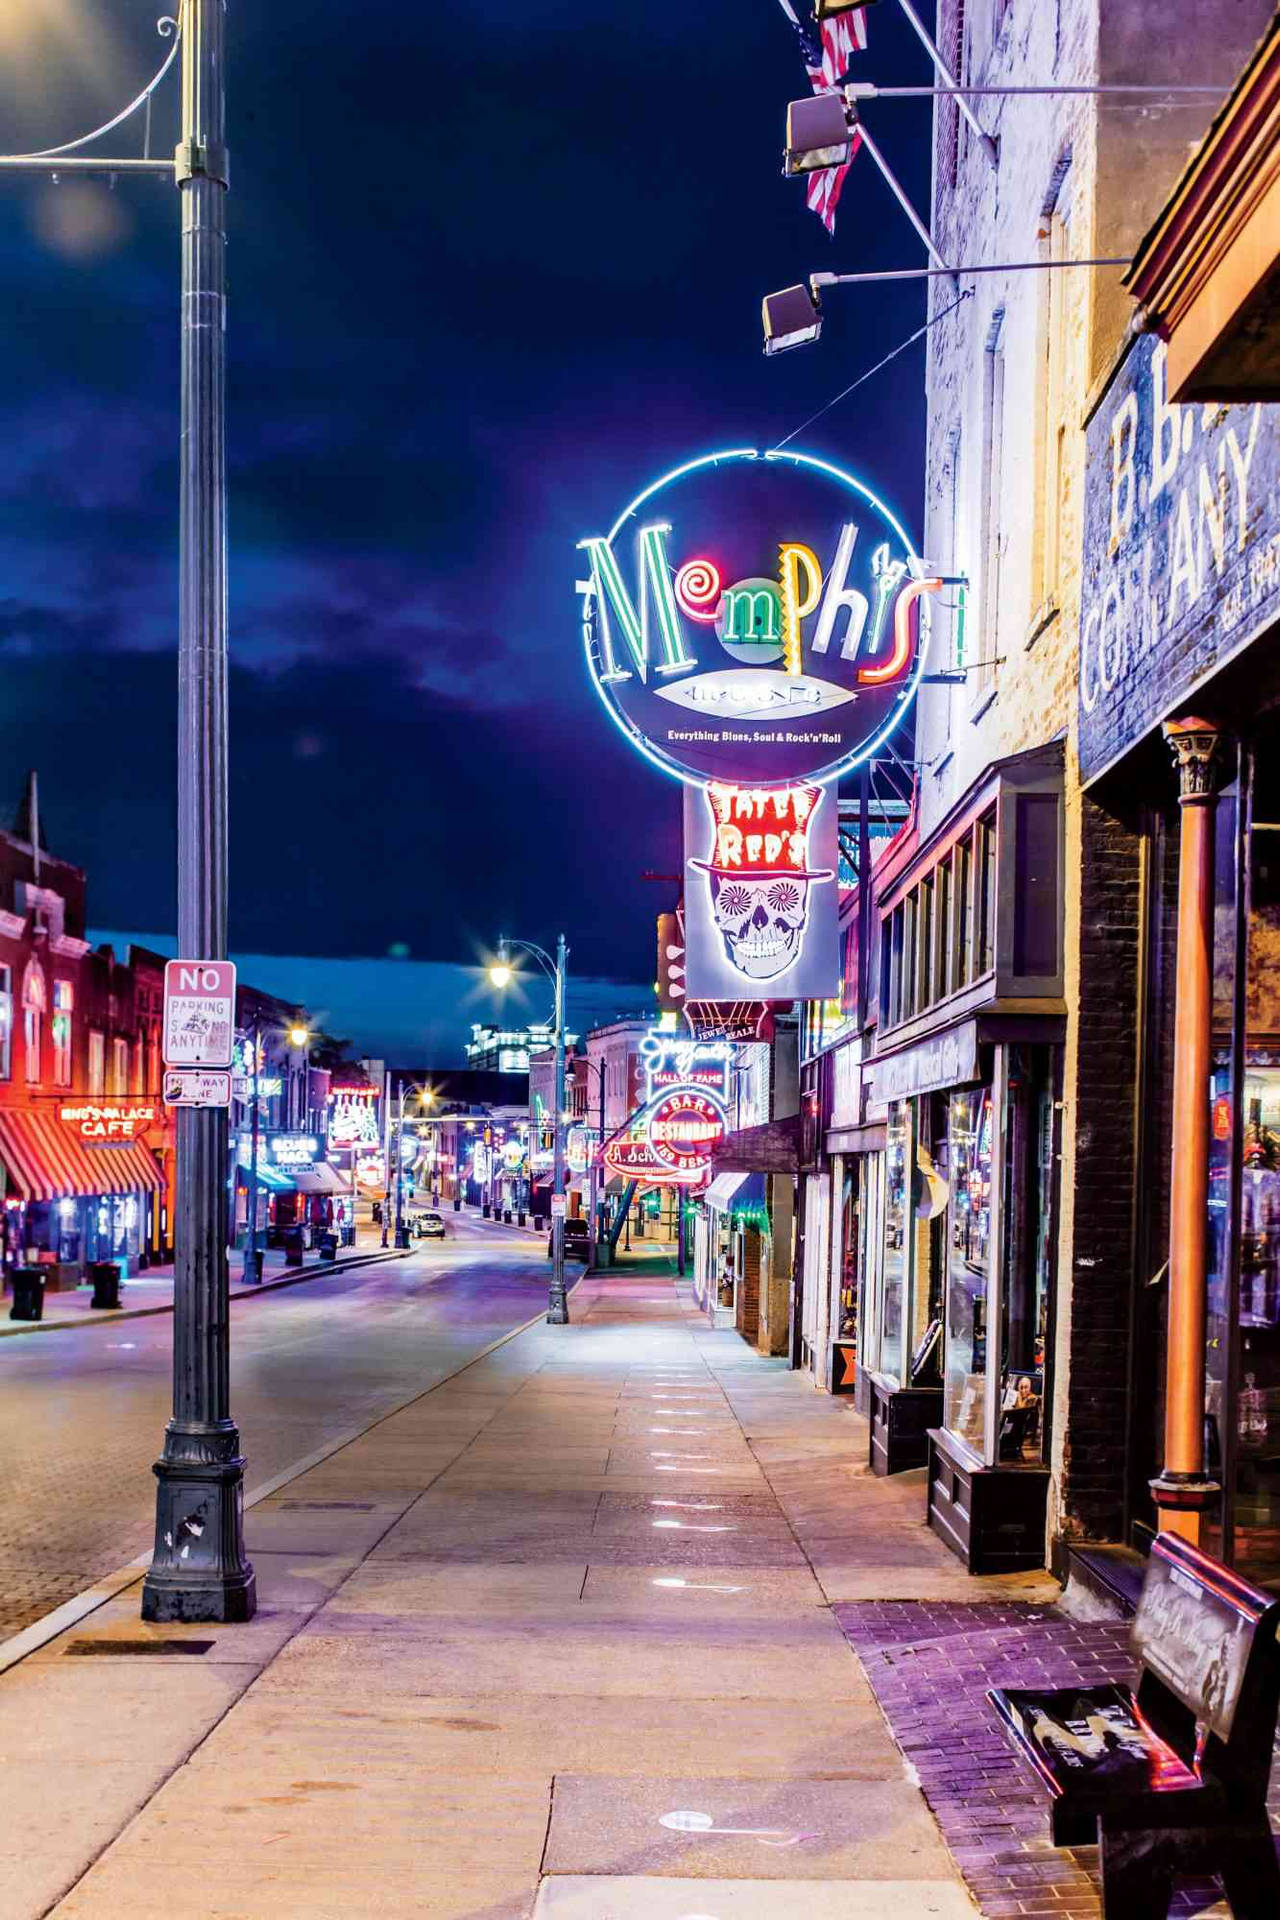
(326, 1506)
(141, 1646)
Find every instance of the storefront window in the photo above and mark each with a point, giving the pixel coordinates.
(1256, 1504)
(968, 1150)
(1223, 1134)
(898, 1236)
(1029, 1203)
(850, 1248)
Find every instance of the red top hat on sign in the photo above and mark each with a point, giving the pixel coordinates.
(762, 831)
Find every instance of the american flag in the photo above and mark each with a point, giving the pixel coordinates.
(826, 58)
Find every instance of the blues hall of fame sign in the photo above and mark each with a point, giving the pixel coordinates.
(755, 618)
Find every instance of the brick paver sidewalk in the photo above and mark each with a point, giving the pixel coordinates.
(931, 1666)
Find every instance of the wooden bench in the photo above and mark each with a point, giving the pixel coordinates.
(1173, 1779)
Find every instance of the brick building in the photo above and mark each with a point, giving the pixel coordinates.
(996, 1193)
(85, 1146)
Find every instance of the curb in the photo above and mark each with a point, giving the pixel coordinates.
(29, 1640)
(289, 1277)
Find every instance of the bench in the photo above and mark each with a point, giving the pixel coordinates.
(1171, 1779)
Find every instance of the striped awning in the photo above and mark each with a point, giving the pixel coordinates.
(45, 1160)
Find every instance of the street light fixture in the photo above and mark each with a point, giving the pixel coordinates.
(819, 134)
(792, 318)
(501, 973)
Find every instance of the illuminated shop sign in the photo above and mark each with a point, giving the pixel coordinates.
(352, 1120)
(670, 1060)
(761, 907)
(292, 1149)
(671, 1141)
(371, 1172)
(109, 1122)
(755, 617)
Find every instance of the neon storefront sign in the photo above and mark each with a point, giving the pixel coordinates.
(755, 618)
(673, 1060)
(671, 1140)
(110, 1122)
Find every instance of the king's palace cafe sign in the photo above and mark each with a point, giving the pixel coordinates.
(1181, 550)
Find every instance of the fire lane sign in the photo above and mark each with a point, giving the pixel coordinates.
(199, 1013)
(196, 1087)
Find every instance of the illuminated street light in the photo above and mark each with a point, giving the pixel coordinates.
(792, 318)
(299, 1036)
(501, 974)
(819, 134)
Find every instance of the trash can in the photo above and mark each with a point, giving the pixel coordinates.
(251, 1272)
(294, 1247)
(486, 1210)
(105, 1275)
(328, 1246)
(457, 1204)
(28, 1294)
(520, 1219)
(402, 1237)
(506, 1216)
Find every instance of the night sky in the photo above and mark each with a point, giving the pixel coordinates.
(492, 268)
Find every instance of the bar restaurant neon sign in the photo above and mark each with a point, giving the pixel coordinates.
(755, 617)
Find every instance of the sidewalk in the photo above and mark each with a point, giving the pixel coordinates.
(567, 1634)
(152, 1291)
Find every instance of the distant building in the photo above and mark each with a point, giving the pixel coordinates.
(507, 1049)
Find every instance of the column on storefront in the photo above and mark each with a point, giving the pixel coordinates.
(966, 1074)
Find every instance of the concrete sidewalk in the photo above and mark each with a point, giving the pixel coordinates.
(556, 1638)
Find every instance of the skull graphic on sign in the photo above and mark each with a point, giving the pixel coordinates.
(759, 874)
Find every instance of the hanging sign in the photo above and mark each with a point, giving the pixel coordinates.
(755, 617)
(352, 1120)
(674, 1060)
(199, 1013)
(670, 1142)
(761, 909)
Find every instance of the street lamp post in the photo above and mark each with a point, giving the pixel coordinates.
(199, 1570)
(251, 1273)
(557, 969)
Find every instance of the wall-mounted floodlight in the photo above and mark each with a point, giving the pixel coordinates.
(792, 318)
(818, 134)
(832, 9)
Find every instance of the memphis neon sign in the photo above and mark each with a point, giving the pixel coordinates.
(738, 650)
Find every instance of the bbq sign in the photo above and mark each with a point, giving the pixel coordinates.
(755, 617)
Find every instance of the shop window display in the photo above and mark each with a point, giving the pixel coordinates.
(967, 1162)
(899, 1237)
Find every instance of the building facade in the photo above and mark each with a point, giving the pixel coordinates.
(975, 1211)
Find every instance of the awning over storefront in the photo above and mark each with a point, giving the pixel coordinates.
(272, 1179)
(772, 1148)
(736, 1192)
(320, 1178)
(45, 1160)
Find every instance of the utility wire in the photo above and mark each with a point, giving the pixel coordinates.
(862, 378)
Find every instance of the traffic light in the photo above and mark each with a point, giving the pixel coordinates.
(671, 963)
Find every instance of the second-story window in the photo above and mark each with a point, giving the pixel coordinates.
(34, 1007)
(951, 33)
(119, 1066)
(97, 1062)
(988, 628)
(1051, 427)
(61, 1024)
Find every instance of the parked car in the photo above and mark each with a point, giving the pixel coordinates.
(575, 1240)
(429, 1225)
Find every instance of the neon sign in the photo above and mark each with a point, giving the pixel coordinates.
(108, 1123)
(352, 1120)
(673, 1060)
(790, 655)
(671, 1140)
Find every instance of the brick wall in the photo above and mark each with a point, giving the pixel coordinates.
(1099, 1144)
(747, 1318)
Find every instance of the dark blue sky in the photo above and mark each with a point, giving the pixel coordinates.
(492, 268)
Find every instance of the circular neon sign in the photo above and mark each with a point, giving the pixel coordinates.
(758, 618)
(683, 1128)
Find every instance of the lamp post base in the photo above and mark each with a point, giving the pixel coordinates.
(558, 1305)
(199, 1570)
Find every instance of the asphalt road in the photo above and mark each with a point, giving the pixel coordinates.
(83, 1409)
